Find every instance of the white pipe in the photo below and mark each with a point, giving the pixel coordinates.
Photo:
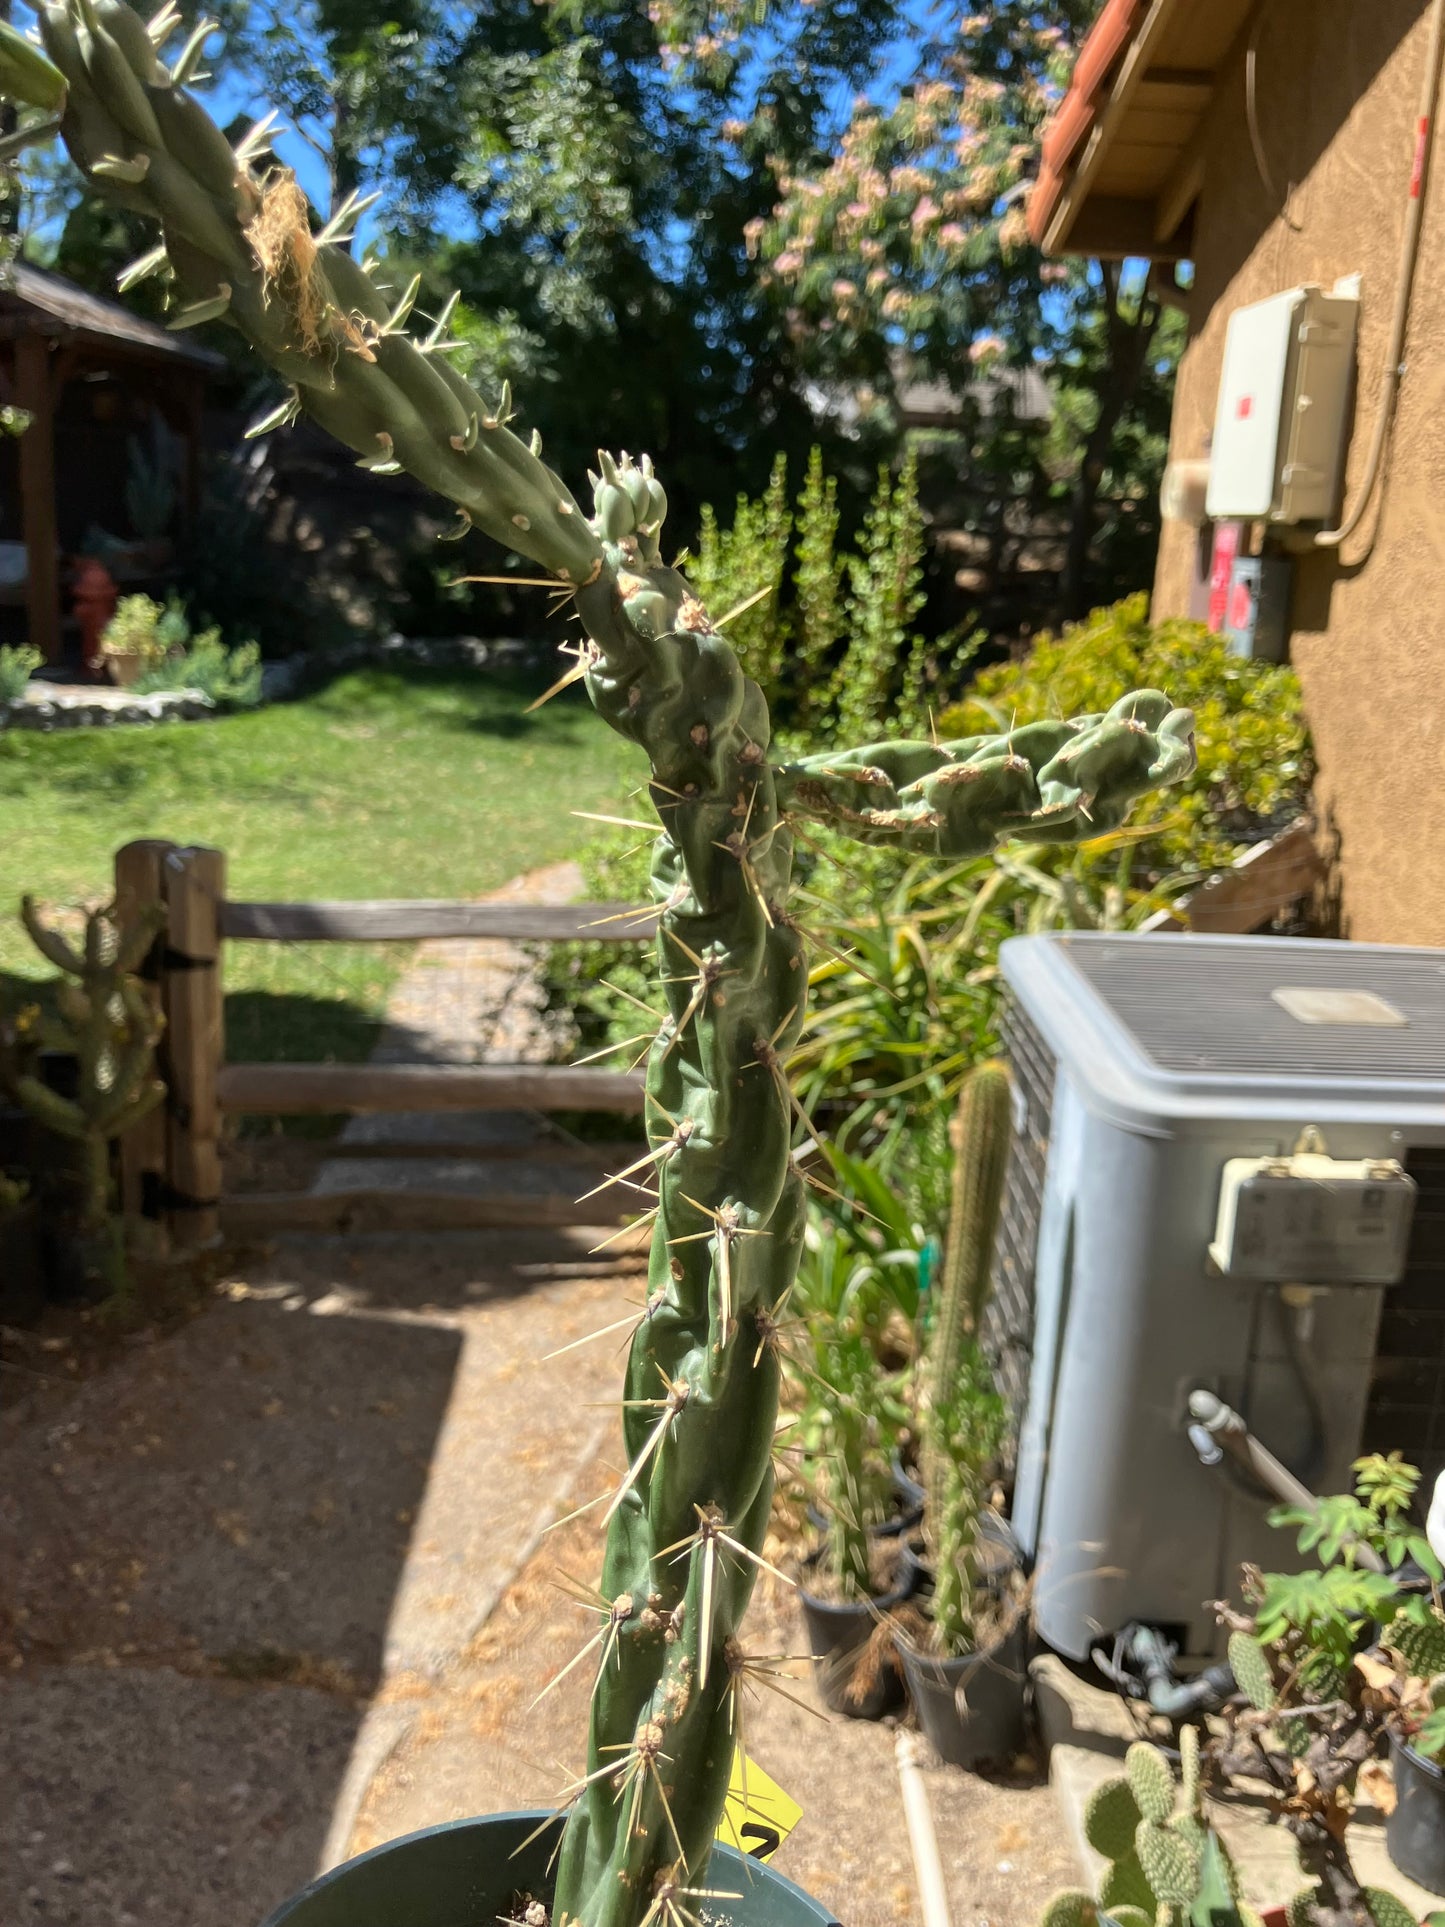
(1395, 352)
(927, 1865)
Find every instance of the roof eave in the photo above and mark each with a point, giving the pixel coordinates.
(1073, 217)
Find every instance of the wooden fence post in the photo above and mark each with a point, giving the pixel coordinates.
(195, 885)
(140, 886)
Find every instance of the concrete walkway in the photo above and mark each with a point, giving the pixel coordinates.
(279, 1585)
(469, 1002)
(237, 1563)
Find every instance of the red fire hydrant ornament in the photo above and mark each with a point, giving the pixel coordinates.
(94, 596)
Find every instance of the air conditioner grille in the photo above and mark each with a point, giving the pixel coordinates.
(1207, 1007)
(1406, 1411)
(1009, 1323)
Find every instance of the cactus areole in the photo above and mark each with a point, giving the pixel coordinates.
(686, 1524)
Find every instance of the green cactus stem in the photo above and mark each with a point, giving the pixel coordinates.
(686, 1523)
(106, 1022)
(1150, 1781)
(980, 1135)
(963, 1418)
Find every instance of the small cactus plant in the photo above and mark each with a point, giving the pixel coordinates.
(1166, 1865)
(686, 1523)
(105, 1021)
(963, 1417)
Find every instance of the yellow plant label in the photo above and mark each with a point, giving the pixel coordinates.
(758, 1816)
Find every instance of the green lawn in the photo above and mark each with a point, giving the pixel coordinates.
(386, 783)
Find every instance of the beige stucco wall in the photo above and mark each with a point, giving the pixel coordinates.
(1338, 86)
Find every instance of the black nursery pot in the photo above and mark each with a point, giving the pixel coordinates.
(839, 1635)
(971, 1708)
(1415, 1831)
(478, 1871)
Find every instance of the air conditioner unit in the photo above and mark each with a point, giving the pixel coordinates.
(1163, 1086)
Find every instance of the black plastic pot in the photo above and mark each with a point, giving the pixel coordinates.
(972, 1709)
(1415, 1831)
(839, 1636)
(912, 1493)
(470, 1873)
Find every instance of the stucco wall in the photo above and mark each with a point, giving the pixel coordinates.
(1337, 88)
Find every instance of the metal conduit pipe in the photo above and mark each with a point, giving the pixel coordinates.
(1175, 1698)
(1216, 1429)
(1404, 288)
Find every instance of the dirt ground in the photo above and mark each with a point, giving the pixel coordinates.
(275, 1584)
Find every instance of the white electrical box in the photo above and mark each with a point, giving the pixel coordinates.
(1279, 429)
(1314, 1220)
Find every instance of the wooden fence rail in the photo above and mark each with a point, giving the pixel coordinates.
(292, 1090)
(170, 1164)
(401, 919)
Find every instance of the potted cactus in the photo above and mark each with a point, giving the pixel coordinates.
(966, 1678)
(684, 1527)
(851, 1411)
(1163, 1859)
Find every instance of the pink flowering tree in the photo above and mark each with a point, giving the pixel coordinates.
(900, 241)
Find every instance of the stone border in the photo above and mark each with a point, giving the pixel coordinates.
(48, 706)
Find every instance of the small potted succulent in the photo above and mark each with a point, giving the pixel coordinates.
(85, 1073)
(139, 637)
(965, 1670)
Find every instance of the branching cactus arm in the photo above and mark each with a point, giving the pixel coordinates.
(686, 1525)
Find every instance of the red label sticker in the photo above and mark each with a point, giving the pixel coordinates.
(1244, 407)
(1422, 143)
(1226, 547)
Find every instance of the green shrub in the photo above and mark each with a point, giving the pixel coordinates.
(749, 559)
(16, 667)
(842, 652)
(230, 677)
(1255, 764)
(885, 594)
(173, 658)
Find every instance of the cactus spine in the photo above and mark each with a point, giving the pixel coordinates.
(963, 1417)
(687, 1521)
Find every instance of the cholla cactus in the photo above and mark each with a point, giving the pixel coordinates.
(105, 1020)
(686, 1523)
(963, 1420)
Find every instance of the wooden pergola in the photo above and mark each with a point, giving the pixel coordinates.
(86, 371)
